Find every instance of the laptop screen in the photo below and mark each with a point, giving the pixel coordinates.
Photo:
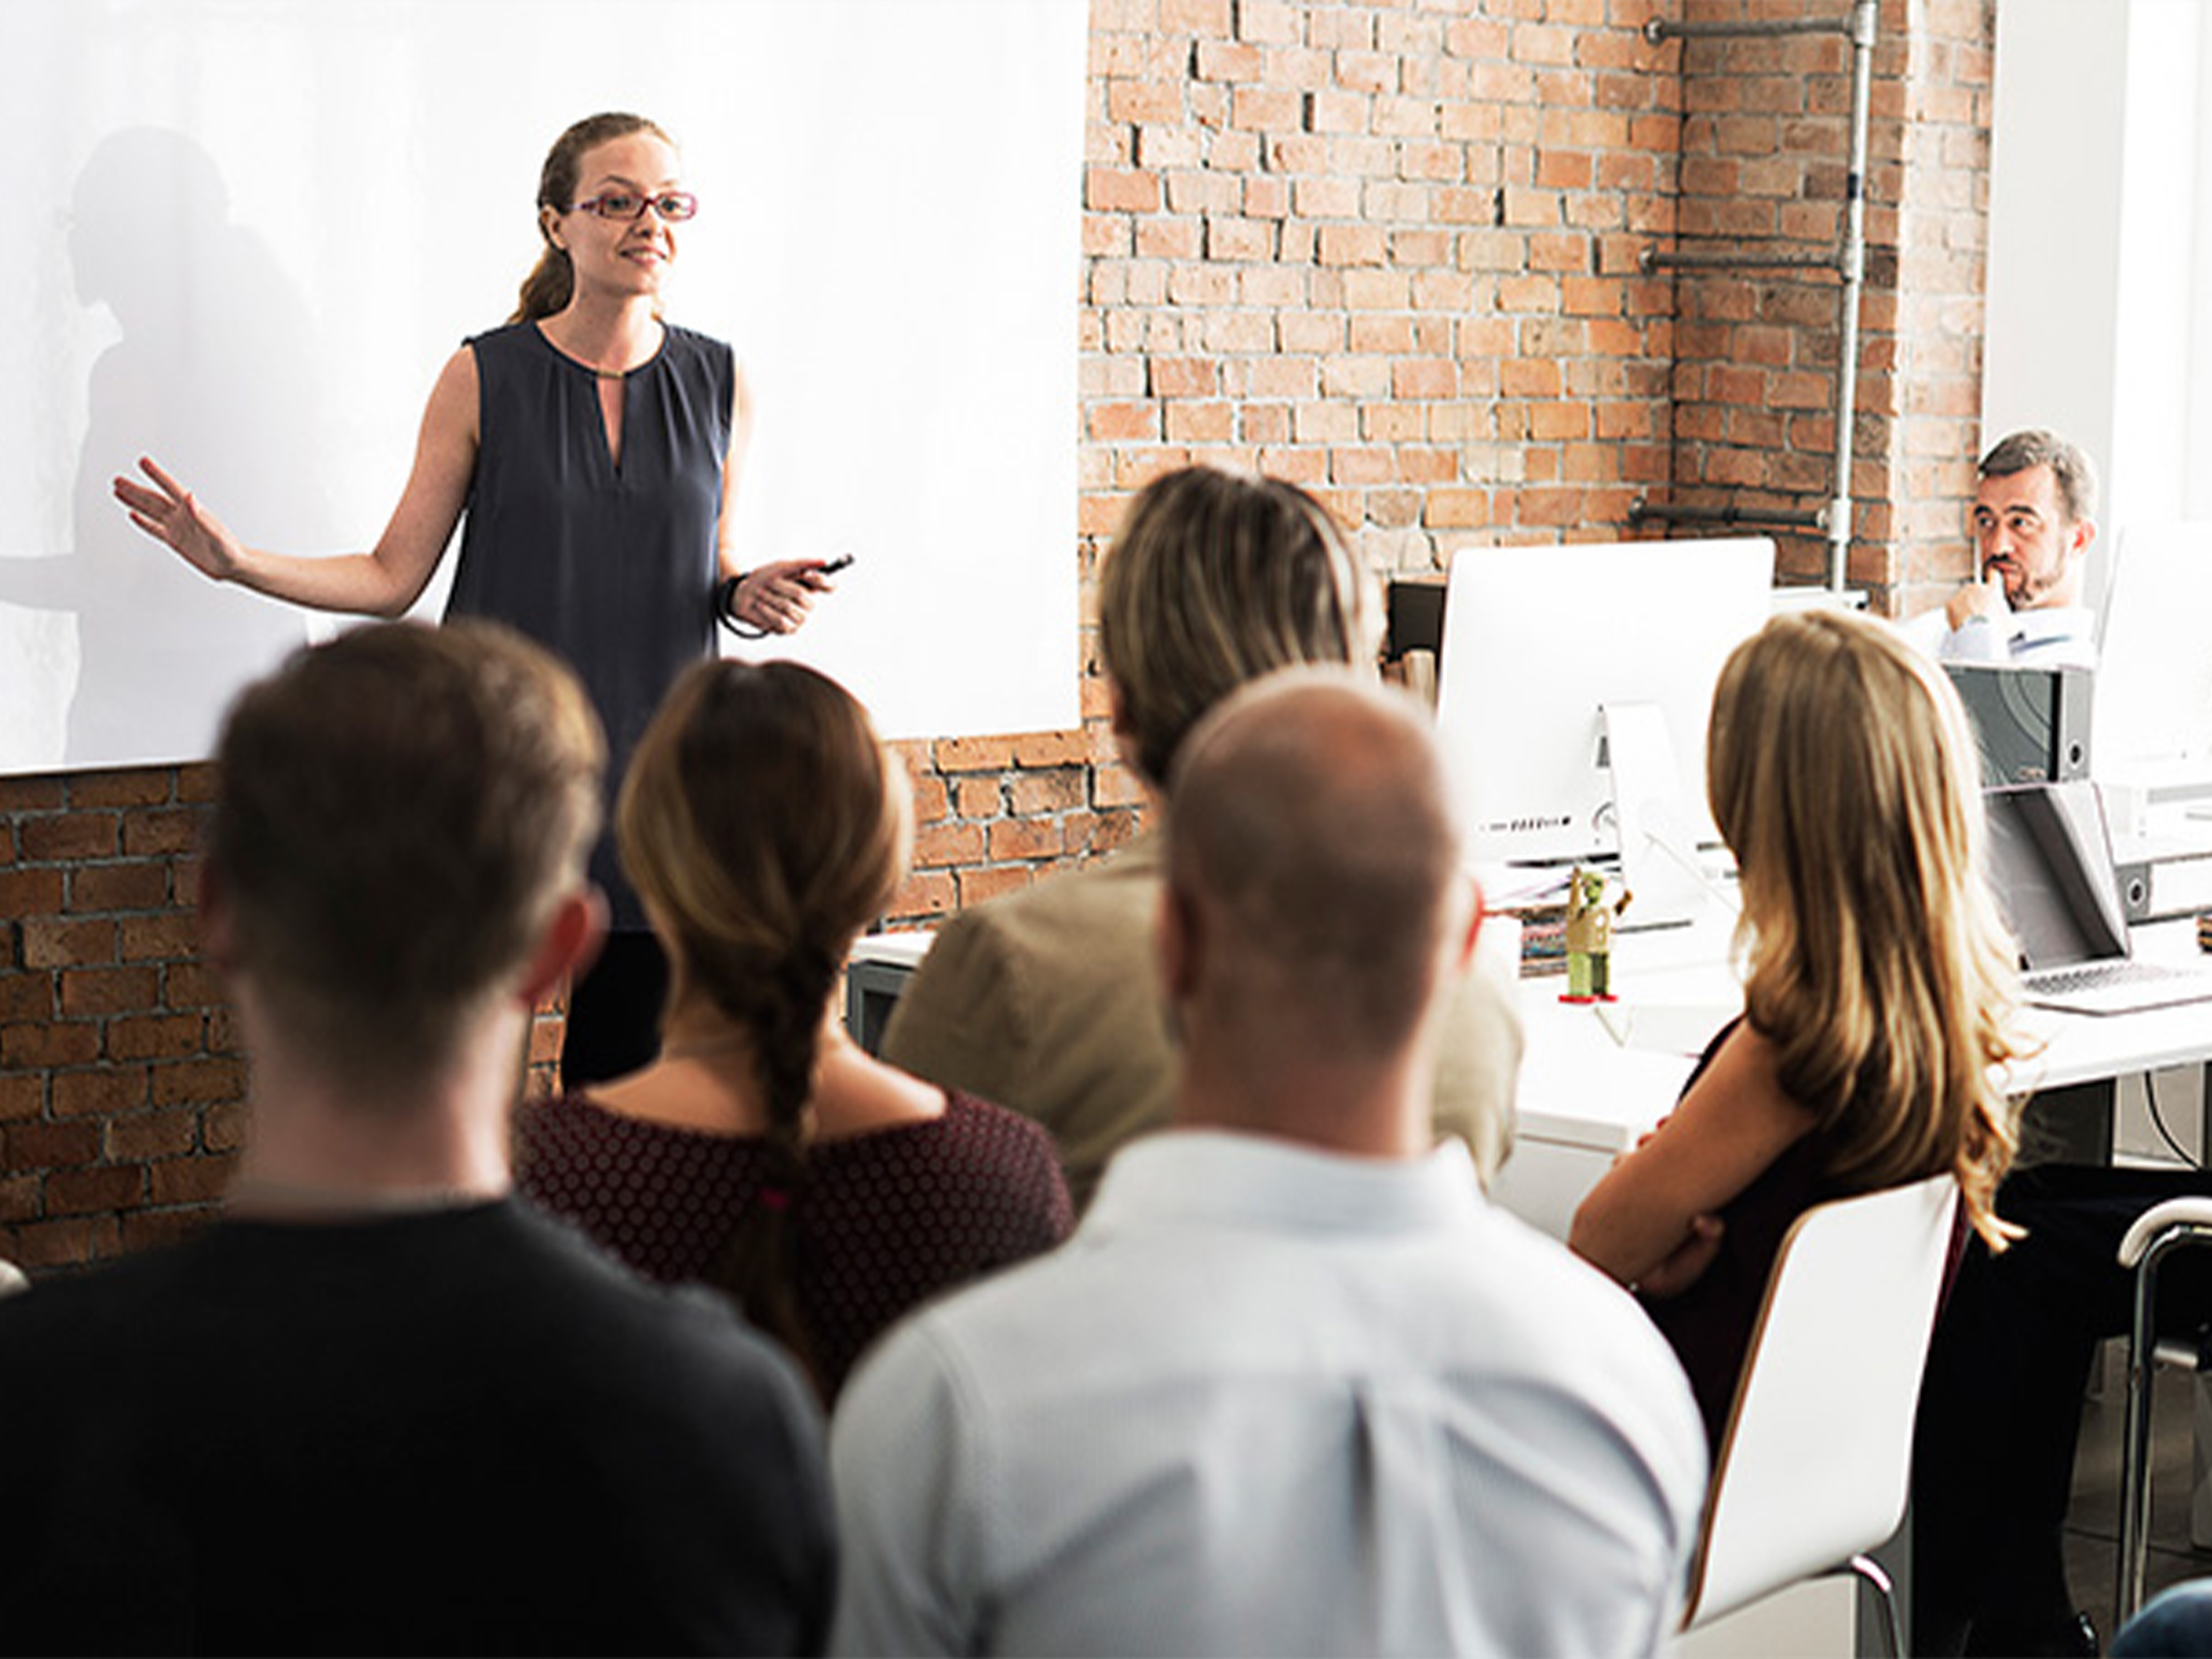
(2050, 865)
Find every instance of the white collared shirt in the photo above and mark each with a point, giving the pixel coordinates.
(2054, 636)
(1269, 1400)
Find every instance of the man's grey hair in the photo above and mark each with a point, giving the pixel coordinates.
(2072, 470)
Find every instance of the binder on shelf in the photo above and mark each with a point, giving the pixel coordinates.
(2162, 885)
(2031, 725)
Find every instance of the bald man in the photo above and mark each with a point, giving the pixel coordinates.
(1294, 1386)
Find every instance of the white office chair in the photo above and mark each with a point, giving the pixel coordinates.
(1817, 1461)
(2177, 1224)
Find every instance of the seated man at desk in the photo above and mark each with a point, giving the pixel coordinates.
(1295, 1385)
(2034, 509)
(1046, 1001)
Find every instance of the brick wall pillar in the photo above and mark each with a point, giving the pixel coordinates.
(1931, 397)
(1765, 162)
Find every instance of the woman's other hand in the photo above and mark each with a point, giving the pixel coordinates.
(776, 597)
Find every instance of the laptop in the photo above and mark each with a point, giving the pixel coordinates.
(2050, 864)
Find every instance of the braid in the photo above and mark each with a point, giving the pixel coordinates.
(765, 822)
(786, 1022)
(781, 1003)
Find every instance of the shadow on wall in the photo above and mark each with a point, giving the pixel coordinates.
(206, 378)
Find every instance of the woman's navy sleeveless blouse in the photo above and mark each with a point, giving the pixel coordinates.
(612, 567)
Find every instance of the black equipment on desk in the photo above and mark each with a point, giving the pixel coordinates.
(1414, 609)
(2031, 725)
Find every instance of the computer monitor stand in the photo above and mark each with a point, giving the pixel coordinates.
(1658, 845)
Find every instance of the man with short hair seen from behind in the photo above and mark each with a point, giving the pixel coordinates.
(1294, 1385)
(382, 1405)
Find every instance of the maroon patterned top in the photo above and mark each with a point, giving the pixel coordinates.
(888, 1218)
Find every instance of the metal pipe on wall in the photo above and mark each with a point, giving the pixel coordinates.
(1864, 15)
(1658, 31)
(1642, 512)
(1711, 259)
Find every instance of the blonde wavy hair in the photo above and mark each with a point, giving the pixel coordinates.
(1840, 769)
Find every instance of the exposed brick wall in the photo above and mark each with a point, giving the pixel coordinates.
(1766, 142)
(1765, 156)
(1387, 250)
(992, 814)
(119, 1072)
(1935, 343)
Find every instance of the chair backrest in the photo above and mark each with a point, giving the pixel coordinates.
(1817, 1456)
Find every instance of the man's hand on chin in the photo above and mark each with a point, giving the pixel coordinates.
(1981, 598)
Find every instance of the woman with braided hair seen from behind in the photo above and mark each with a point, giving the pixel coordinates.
(763, 826)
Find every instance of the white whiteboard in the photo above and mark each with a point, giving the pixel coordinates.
(249, 232)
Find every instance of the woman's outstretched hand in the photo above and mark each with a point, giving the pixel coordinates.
(170, 512)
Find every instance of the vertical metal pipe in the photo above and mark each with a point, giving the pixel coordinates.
(1864, 15)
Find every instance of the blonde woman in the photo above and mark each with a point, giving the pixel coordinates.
(1878, 991)
(763, 826)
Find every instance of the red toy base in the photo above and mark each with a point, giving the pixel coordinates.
(1563, 997)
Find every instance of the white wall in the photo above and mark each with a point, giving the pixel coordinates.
(2099, 278)
(248, 231)
(2055, 204)
(2101, 322)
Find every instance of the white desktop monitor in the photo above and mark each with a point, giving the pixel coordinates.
(1538, 641)
(2150, 713)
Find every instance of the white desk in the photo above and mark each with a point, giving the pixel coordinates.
(1586, 1095)
(2085, 1048)
(1595, 1078)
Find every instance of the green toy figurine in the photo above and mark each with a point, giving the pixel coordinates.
(1590, 937)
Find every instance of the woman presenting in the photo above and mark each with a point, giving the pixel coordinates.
(595, 448)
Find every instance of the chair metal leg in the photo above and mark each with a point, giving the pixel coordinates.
(1869, 1572)
(2135, 1443)
(2200, 1459)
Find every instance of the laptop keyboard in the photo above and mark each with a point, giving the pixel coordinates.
(2096, 975)
(2122, 985)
